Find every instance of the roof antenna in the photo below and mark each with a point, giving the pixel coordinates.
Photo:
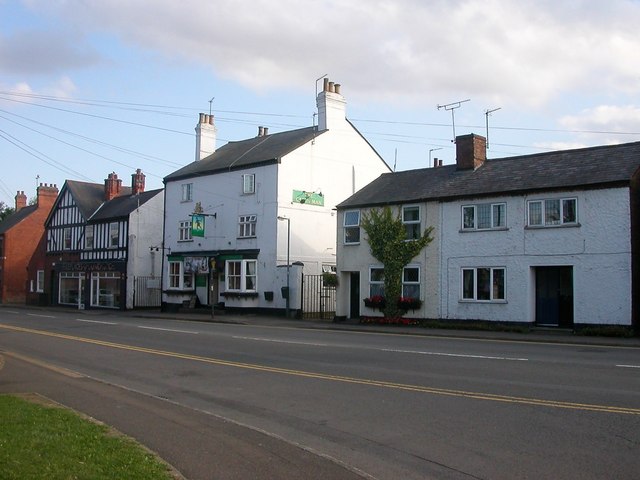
(395, 159)
(211, 103)
(486, 114)
(452, 106)
(433, 150)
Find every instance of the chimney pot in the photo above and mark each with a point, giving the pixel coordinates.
(137, 182)
(336, 87)
(325, 85)
(260, 131)
(201, 118)
(265, 131)
(331, 87)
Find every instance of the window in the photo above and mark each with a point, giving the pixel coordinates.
(184, 231)
(67, 238)
(484, 216)
(114, 233)
(242, 275)
(88, 237)
(40, 281)
(376, 281)
(249, 183)
(351, 226)
(552, 212)
(187, 192)
(247, 226)
(411, 221)
(483, 284)
(178, 279)
(411, 282)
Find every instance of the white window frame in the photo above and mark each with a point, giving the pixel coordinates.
(67, 238)
(114, 234)
(243, 275)
(411, 232)
(492, 216)
(376, 280)
(493, 295)
(544, 212)
(247, 226)
(40, 281)
(187, 192)
(176, 276)
(410, 283)
(248, 183)
(89, 237)
(351, 227)
(184, 231)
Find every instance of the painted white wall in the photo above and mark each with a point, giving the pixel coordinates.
(145, 230)
(599, 250)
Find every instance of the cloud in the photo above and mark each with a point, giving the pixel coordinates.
(28, 52)
(525, 52)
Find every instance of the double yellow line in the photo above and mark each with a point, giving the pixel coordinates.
(340, 378)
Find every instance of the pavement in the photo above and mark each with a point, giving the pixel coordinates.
(200, 445)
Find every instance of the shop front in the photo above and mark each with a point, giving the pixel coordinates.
(91, 284)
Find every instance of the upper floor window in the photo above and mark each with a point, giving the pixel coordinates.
(114, 234)
(247, 226)
(351, 225)
(483, 284)
(484, 216)
(248, 183)
(187, 192)
(242, 275)
(551, 212)
(184, 231)
(411, 221)
(66, 234)
(88, 237)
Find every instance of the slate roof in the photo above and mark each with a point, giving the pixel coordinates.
(16, 217)
(122, 206)
(252, 152)
(593, 167)
(89, 196)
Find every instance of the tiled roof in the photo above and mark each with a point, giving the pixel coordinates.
(246, 153)
(16, 217)
(568, 169)
(88, 196)
(122, 206)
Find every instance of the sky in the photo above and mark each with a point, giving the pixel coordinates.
(90, 87)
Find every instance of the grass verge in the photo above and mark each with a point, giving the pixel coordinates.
(39, 441)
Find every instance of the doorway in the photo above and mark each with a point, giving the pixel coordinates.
(354, 295)
(554, 296)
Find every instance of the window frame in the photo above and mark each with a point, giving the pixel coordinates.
(248, 183)
(376, 286)
(40, 281)
(114, 234)
(475, 216)
(242, 275)
(351, 227)
(186, 192)
(493, 283)
(545, 213)
(410, 284)
(178, 280)
(67, 238)
(89, 245)
(411, 232)
(184, 231)
(247, 226)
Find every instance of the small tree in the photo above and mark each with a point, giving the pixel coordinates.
(5, 210)
(388, 243)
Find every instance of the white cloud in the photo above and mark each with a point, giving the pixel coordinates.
(605, 118)
(508, 51)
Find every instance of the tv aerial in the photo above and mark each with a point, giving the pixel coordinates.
(452, 107)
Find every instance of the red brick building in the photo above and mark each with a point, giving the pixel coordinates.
(20, 235)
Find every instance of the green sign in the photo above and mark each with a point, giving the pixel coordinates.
(308, 198)
(197, 225)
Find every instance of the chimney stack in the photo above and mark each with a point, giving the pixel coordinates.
(112, 186)
(47, 195)
(471, 151)
(331, 106)
(261, 131)
(21, 200)
(137, 182)
(205, 136)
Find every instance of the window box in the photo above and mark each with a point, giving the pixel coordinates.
(408, 303)
(240, 294)
(376, 302)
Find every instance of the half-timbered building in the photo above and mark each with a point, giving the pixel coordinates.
(100, 241)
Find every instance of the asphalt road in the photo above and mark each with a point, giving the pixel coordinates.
(385, 406)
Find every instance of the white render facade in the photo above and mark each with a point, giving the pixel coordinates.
(249, 193)
(536, 253)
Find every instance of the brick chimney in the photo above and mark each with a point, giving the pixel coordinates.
(47, 195)
(21, 200)
(332, 106)
(112, 186)
(471, 151)
(137, 182)
(205, 137)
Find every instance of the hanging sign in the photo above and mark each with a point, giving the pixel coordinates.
(197, 225)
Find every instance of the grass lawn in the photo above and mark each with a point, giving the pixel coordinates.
(40, 441)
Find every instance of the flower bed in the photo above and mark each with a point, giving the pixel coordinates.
(389, 321)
